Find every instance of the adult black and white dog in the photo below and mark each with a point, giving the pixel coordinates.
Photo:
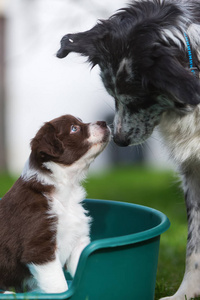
(149, 58)
(43, 225)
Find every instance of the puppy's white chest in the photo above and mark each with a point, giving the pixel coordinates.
(72, 225)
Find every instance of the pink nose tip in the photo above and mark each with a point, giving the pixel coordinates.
(102, 124)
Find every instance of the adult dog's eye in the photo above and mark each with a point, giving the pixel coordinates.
(74, 128)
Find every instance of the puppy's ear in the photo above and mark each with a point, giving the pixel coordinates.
(84, 43)
(46, 143)
(168, 75)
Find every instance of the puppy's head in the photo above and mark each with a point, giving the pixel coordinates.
(144, 64)
(66, 140)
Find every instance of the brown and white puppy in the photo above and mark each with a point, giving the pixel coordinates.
(43, 225)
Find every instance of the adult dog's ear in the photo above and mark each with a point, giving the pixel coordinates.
(84, 43)
(167, 74)
(46, 144)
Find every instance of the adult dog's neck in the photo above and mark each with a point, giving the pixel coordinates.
(181, 135)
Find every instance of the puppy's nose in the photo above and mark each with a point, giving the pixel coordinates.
(102, 124)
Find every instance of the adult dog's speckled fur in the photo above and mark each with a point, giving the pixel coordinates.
(144, 62)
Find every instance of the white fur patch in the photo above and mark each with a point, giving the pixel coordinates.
(181, 135)
(174, 35)
(49, 277)
(73, 223)
(125, 65)
(29, 173)
(193, 32)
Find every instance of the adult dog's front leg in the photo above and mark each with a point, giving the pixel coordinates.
(190, 286)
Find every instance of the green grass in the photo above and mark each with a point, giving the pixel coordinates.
(157, 189)
(6, 181)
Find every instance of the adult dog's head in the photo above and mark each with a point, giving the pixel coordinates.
(146, 53)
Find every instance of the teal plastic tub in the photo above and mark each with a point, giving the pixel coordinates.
(120, 263)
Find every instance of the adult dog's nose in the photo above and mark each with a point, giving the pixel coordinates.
(121, 141)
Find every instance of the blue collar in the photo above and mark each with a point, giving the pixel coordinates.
(194, 70)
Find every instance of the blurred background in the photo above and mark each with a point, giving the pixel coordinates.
(36, 87)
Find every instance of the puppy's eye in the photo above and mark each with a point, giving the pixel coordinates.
(74, 128)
